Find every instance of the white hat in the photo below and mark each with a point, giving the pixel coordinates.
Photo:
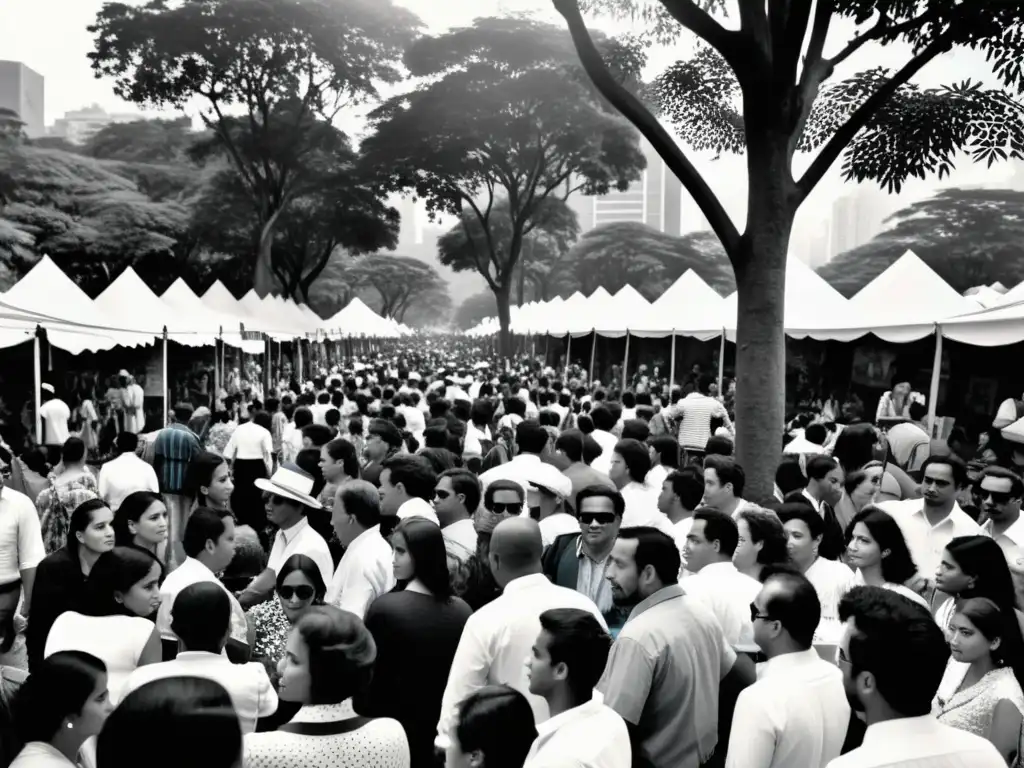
(47, 388)
(414, 376)
(292, 482)
(549, 478)
(1006, 415)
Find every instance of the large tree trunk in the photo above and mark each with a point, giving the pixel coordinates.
(760, 268)
(263, 277)
(502, 298)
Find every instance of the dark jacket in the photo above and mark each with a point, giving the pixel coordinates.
(562, 566)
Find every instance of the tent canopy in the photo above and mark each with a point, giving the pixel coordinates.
(129, 302)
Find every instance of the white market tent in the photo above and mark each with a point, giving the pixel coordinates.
(358, 320)
(688, 308)
(200, 317)
(129, 302)
(218, 297)
(994, 327)
(627, 304)
(594, 312)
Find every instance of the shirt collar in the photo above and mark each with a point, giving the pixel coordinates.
(1014, 533)
(947, 520)
(887, 732)
(289, 534)
(788, 662)
(364, 537)
(525, 458)
(555, 722)
(197, 564)
(525, 582)
(662, 595)
(198, 656)
(713, 569)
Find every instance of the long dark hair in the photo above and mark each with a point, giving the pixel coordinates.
(131, 510)
(58, 687)
(118, 570)
(80, 520)
(898, 567)
(995, 622)
(425, 543)
(199, 474)
(980, 557)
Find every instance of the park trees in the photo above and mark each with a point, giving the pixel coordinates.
(400, 281)
(501, 116)
(268, 75)
(761, 82)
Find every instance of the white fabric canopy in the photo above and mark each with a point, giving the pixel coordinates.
(218, 297)
(129, 302)
(358, 320)
(996, 327)
(690, 307)
(200, 317)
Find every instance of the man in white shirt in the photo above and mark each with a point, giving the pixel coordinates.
(456, 498)
(126, 474)
(630, 464)
(681, 494)
(531, 439)
(498, 638)
(287, 498)
(55, 415)
(931, 522)
(568, 658)
(209, 544)
(1000, 491)
(727, 593)
(546, 499)
(796, 713)
(604, 422)
(407, 484)
(132, 400)
(251, 442)
(21, 551)
(201, 620)
(724, 481)
(892, 656)
(365, 571)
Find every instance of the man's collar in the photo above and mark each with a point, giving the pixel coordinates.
(662, 595)
(555, 722)
(290, 533)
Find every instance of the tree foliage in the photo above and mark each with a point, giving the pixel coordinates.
(501, 113)
(401, 282)
(969, 237)
(143, 141)
(475, 309)
(280, 65)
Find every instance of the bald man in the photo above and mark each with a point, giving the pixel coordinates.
(499, 637)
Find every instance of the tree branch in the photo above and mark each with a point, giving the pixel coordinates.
(823, 13)
(859, 119)
(634, 111)
(884, 27)
(754, 23)
(788, 33)
(701, 23)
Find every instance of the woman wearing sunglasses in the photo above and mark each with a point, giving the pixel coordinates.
(299, 587)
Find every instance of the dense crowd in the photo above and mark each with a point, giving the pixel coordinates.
(430, 557)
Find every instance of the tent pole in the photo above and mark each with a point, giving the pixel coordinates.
(568, 358)
(165, 382)
(625, 362)
(593, 355)
(37, 374)
(721, 362)
(933, 390)
(672, 365)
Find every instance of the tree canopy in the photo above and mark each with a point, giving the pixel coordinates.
(969, 237)
(474, 309)
(500, 113)
(400, 282)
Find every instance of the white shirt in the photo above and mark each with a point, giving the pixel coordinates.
(301, 539)
(728, 594)
(462, 533)
(21, 540)
(553, 526)
(920, 742)
(498, 639)
(191, 572)
(607, 441)
(364, 573)
(124, 475)
(247, 684)
(40, 754)
(416, 507)
(831, 580)
(56, 413)
(249, 442)
(641, 508)
(1011, 541)
(925, 541)
(588, 736)
(518, 469)
(796, 714)
(657, 477)
(133, 399)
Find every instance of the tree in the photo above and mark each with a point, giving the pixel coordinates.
(400, 281)
(501, 112)
(143, 141)
(475, 309)
(279, 64)
(968, 236)
(767, 87)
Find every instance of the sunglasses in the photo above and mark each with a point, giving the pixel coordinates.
(442, 495)
(601, 518)
(303, 592)
(755, 614)
(273, 498)
(509, 508)
(998, 497)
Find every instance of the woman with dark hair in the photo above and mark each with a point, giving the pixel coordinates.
(173, 722)
(422, 613)
(494, 729)
(876, 548)
(141, 521)
(60, 583)
(981, 690)
(761, 542)
(123, 589)
(62, 704)
(329, 661)
(339, 463)
(973, 566)
(859, 444)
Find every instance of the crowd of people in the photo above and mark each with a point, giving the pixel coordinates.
(430, 558)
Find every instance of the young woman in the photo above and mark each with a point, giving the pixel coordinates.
(422, 613)
(123, 590)
(141, 521)
(762, 542)
(494, 729)
(981, 691)
(973, 566)
(339, 463)
(63, 703)
(876, 548)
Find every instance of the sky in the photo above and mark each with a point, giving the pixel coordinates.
(51, 37)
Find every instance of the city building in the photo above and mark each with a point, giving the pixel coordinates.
(79, 125)
(860, 215)
(22, 91)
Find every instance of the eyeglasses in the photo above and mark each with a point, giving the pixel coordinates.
(509, 508)
(998, 497)
(755, 614)
(303, 592)
(273, 498)
(601, 518)
(442, 495)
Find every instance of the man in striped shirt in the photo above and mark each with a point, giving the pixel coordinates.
(694, 414)
(173, 449)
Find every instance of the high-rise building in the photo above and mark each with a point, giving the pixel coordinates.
(22, 92)
(80, 125)
(859, 215)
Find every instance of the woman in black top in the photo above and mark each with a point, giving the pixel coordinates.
(416, 627)
(60, 577)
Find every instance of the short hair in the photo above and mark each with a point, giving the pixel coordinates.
(343, 451)
(719, 445)
(436, 436)
(789, 475)
(1016, 484)
(302, 417)
(415, 474)
(318, 434)
(127, 442)
(728, 471)
(502, 485)
(816, 433)
(795, 510)
(601, 492)
(204, 524)
(58, 687)
(201, 615)
(498, 721)
(603, 418)
(667, 448)
(73, 450)
(917, 410)
(579, 642)
(635, 429)
(341, 654)
(688, 485)
(655, 549)
(465, 483)
(899, 643)
(362, 501)
(819, 465)
(591, 449)
(797, 607)
(898, 567)
(766, 529)
(956, 466)
(531, 437)
(186, 711)
(636, 457)
(719, 527)
(570, 442)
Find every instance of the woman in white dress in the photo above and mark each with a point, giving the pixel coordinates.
(62, 703)
(876, 548)
(122, 590)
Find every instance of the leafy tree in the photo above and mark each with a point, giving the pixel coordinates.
(766, 86)
(278, 65)
(143, 141)
(968, 236)
(400, 281)
(501, 113)
(475, 309)
(12, 127)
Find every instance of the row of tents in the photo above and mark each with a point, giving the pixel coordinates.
(128, 313)
(907, 302)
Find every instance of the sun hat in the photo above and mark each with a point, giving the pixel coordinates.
(291, 482)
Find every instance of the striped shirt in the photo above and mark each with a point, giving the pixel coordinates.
(173, 449)
(694, 414)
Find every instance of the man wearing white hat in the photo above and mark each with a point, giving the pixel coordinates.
(132, 398)
(546, 496)
(55, 415)
(287, 497)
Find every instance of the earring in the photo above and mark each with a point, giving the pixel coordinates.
(70, 726)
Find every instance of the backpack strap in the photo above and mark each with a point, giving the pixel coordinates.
(333, 728)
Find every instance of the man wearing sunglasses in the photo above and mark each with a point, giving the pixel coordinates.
(1000, 491)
